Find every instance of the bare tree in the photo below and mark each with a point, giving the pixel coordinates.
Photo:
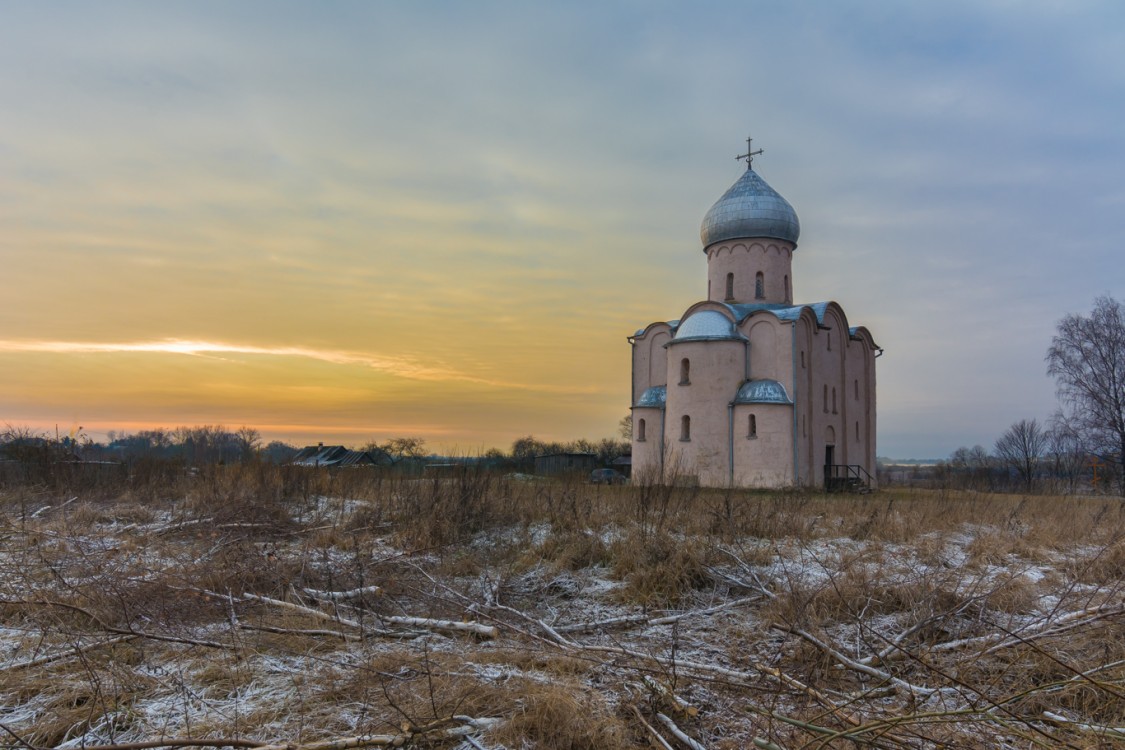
(1021, 447)
(1087, 361)
(1066, 453)
(972, 467)
(401, 449)
(524, 451)
(625, 427)
(249, 441)
(279, 452)
(581, 445)
(23, 443)
(609, 449)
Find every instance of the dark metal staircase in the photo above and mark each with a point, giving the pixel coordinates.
(847, 478)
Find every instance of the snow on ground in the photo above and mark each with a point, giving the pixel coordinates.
(197, 657)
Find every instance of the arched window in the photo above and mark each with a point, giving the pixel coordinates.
(640, 431)
(730, 286)
(857, 389)
(833, 400)
(685, 428)
(760, 286)
(804, 427)
(788, 295)
(829, 341)
(857, 431)
(753, 427)
(802, 360)
(825, 399)
(685, 371)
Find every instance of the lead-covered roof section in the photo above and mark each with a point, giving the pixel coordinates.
(706, 324)
(740, 312)
(653, 397)
(750, 208)
(672, 324)
(762, 391)
(779, 310)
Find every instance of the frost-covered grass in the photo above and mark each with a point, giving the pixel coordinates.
(901, 619)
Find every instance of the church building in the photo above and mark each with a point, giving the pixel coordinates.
(748, 388)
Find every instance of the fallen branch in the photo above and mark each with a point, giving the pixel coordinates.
(866, 669)
(469, 726)
(679, 733)
(485, 631)
(75, 651)
(765, 744)
(293, 631)
(336, 596)
(1041, 629)
(749, 571)
(46, 508)
(220, 742)
(1056, 628)
(678, 704)
(744, 678)
(124, 631)
(367, 632)
(652, 730)
(179, 525)
(17, 737)
(303, 610)
(630, 620)
(614, 622)
(1114, 732)
(894, 646)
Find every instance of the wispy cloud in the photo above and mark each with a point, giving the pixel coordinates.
(270, 172)
(404, 367)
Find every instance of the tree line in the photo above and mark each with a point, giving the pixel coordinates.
(1083, 442)
(215, 444)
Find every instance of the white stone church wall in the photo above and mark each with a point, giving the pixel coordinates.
(716, 370)
(764, 459)
(774, 259)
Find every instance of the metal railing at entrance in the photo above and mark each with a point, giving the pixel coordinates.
(847, 478)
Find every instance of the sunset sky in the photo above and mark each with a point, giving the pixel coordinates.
(350, 221)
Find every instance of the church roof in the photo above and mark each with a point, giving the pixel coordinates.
(721, 327)
(779, 310)
(750, 208)
(673, 324)
(654, 397)
(764, 391)
(706, 324)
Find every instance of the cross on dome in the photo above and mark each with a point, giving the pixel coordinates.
(750, 154)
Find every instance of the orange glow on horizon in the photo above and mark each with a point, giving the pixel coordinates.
(403, 367)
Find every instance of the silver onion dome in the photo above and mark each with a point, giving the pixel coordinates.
(750, 208)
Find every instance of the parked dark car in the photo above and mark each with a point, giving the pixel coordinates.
(607, 476)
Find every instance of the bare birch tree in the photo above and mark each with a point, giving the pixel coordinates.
(1021, 447)
(1066, 453)
(1087, 361)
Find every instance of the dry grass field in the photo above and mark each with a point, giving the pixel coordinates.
(256, 606)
